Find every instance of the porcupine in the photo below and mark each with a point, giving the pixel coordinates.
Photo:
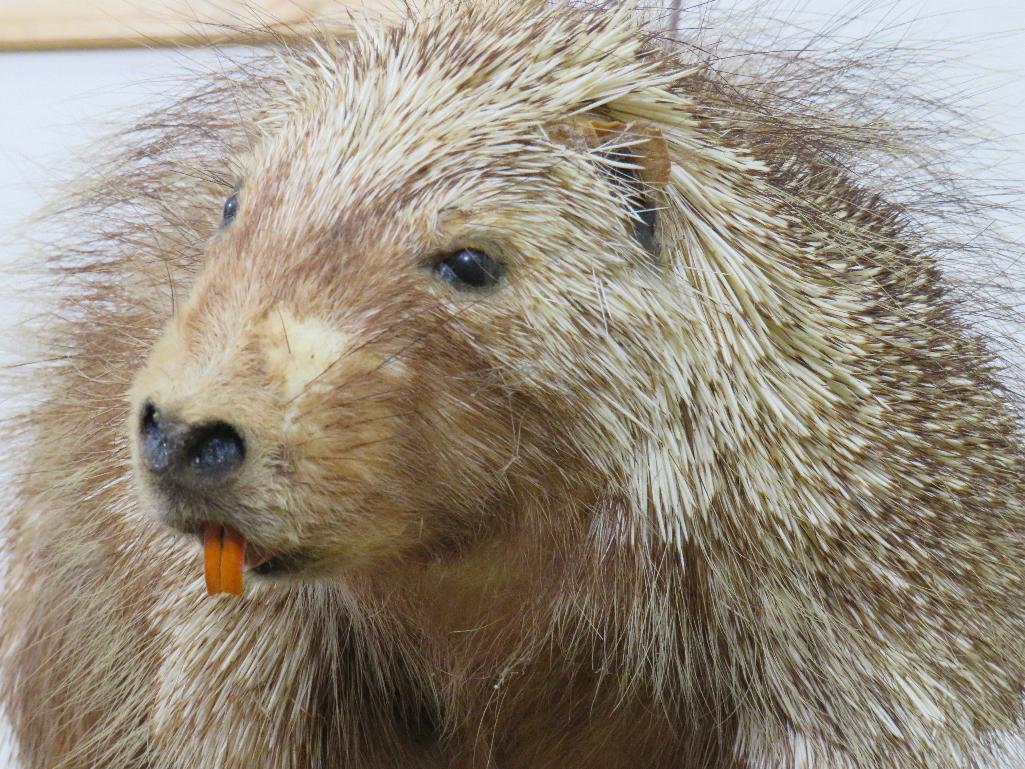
(575, 412)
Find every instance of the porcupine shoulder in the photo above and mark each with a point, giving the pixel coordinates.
(578, 404)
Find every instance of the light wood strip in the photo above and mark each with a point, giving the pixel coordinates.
(50, 24)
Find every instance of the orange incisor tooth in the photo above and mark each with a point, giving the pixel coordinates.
(223, 557)
(212, 558)
(232, 556)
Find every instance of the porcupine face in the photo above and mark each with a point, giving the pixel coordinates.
(383, 353)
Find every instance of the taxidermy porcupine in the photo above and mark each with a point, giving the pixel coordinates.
(574, 404)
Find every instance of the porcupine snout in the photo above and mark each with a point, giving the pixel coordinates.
(191, 456)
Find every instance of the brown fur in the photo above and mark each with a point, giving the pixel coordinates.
(754, 499)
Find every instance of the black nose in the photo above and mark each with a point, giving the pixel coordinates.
(186, 453)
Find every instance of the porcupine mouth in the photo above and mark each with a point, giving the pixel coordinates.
(278, 565)
(265, 563)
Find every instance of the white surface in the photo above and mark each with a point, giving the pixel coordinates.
(51, 103)
(56, 103)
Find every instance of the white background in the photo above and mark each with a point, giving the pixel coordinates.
(53, 103)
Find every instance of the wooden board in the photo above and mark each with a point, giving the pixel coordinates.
(48, 24)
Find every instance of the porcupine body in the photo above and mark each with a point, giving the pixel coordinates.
(579, 408)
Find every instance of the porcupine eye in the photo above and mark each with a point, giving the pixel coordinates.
(230, 207)
(469, 268)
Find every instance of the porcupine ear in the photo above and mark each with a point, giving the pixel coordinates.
(635, 158)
